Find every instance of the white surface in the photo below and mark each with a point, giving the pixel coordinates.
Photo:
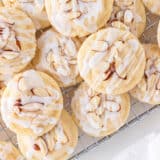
(140, 140)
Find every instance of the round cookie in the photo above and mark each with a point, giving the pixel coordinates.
(34, 8)
(32, 103)
(99, 114)
(112, 61)
(78, 17)
(9, 152)
(148, 90)
(57, 56)
(17, 40)
(131, 13)
(153, 6)
(58, 144)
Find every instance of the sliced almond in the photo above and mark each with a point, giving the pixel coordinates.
(128, 16)
(42, 145)
(100, 46)
(49, 137)
(119, 14)
(94, 120)
(95, 101)
(9, 55)
(40, 92)
(60, 135)
(32, 107)
(50, 57)
(91, 92)
(74, 15)
(73, 61)
(100, 111)
(112, 106)
(22, 84)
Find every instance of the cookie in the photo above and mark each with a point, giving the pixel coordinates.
(99, 114)
(148, 90)
(58, 144)
(34, 8)
(17, 40)
(78, 17)
(153, 6)
(57, 56)
(131, 13)
(9, 152)
(34, 105)
(112, 61)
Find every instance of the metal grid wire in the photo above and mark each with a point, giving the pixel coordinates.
(138, 110)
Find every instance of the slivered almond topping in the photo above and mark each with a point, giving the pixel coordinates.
(113, 106)
(74, 15)
(95, 120)
(119, 15)
(42, 145)
(95, 101)
(31, 107)
(36, 147)
(49, 137)
(100, 46)
(40, 92)
(50, 56)
(22, 84)
(128, 16)
(9, 55)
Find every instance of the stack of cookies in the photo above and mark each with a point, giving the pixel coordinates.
(49, 45)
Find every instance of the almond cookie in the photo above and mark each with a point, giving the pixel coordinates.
(131, 13)
(58, 144)
(153, 6)
(32, 103)
(148, 90)
(34, 8)
(17, 40)
(99, 114)
(57, 55)
(9, 152)
(78, 17)
(111, 61)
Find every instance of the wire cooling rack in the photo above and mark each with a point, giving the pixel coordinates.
(138, 110)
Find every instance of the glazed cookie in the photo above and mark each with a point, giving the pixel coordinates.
(34, 105)
(99, 114)
(148, 90)
(131, 13)
(78, 17)
(17, 40)
(57, 55)
(9, 152)
(34, 8)
(153, 6)
(111, 61)
(58, 144)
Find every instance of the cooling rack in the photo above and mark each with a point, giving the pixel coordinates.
(138, 110)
